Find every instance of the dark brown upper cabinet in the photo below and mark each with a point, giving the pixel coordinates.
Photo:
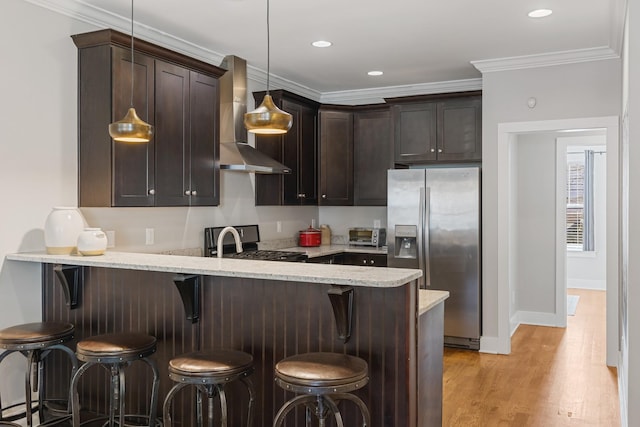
(438, 128)
(373, 154)
(178, 95)
(297, 149)
(336, 156)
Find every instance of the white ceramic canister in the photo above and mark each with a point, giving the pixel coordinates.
(61, 230)
(92, 241)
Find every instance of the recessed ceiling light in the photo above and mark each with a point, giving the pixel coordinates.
(540, 13)
(375, 73)
(321, 43)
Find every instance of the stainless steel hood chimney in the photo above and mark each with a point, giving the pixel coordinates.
(235, 153)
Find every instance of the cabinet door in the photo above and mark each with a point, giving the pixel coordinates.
(365, 259)
(415, 129)
(204, 121)
(460, 129)
(269, 188)
(336, 158)
(172, 135)
(133, 163)
(373, 156)
(300, 148)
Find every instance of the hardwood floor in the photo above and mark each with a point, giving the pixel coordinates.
(553, 377)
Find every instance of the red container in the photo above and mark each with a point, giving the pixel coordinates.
(310, 237)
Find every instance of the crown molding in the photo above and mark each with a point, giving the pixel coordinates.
(377, 95)
(545, 59)
(105, 19)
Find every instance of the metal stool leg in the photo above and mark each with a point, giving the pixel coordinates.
(366, 418)
(166, 408)
(252, 397)
(73, 393)
(154, 390)
(288, 407)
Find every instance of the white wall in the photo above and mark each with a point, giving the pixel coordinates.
(536, 218)
(629, 365)
(582, 90)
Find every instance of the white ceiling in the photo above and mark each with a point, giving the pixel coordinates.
(413, 41)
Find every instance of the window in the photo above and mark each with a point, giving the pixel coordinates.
(579, 221)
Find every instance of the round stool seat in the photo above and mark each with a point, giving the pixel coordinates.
(209, 371)
(35, 335)
(322, 379)
(121, 346)
(321, 369)
(211, 363)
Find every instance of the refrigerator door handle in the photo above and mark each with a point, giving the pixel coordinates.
(424, 280)
(426, 215)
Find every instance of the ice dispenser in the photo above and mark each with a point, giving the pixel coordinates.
(406, 241)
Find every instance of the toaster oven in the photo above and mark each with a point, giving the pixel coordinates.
(375, 237)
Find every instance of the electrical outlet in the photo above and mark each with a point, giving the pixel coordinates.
(111, 238)
(376, 223)
(278, 226)
(149, 236)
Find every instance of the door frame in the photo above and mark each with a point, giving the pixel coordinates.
(507, 133)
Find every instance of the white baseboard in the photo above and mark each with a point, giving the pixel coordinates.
(489, 345)
(533, 318)
(598, 285)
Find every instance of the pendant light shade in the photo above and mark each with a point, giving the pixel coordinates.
(267, 118)
(131, 128)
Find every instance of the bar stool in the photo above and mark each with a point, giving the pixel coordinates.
(35, 341)
(324, 379)
(115, 352)
(209, 371)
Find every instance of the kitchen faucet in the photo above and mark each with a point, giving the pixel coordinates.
(236, 237)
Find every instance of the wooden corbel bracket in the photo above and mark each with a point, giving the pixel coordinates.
(341, 298)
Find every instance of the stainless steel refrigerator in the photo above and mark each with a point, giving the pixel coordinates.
(433, 223)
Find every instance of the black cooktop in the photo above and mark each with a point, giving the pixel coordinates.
(269, 255)
(249, 236)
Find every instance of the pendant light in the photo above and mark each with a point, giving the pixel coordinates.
(267, 118)
(131, 128)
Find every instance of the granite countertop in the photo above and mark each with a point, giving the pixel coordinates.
(427, 299)
(318, 251)
(225, 267)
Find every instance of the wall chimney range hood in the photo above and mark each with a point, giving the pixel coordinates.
(235, 153)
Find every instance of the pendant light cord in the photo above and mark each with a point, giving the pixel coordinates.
(131, 104)
(268, 48)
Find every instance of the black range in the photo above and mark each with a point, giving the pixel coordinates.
(249, 236)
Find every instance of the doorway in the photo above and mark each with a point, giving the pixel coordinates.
(509, 240)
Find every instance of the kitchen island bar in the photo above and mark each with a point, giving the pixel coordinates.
(271, 310)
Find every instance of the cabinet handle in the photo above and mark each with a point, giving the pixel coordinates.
(372, 262)
(433, 150)
(324, 196)
(152, 192)
(439, 150)
(301, 195)
(194, 193)
(187, 193)
(364, 261)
